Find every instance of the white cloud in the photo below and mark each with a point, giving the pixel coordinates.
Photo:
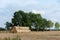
(39, 12)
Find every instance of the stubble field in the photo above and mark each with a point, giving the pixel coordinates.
(46, 35)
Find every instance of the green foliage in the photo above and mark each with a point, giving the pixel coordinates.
(49, 23)
(44, 24)
(8, 25)
(18, 18)
(57, 25)
(2, 29)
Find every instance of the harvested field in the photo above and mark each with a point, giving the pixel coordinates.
(46, 35)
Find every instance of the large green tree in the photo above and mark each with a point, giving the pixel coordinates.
(57, 25)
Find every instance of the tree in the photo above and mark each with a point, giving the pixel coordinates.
(2, 29)
(8, 25)
(17, 18)
(44, 24)
(21, 18)
(57, 25)
(49, 23)
(39, 21)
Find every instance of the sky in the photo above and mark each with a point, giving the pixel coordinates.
(49, 9)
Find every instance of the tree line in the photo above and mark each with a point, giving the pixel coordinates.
(31, 20)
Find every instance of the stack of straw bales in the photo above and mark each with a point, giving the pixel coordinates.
(16, 29)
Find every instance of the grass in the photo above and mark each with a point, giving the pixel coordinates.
(15, 38)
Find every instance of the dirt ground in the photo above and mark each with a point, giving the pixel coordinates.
(46, 35)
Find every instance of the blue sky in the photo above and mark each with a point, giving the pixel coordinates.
(49, 9)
